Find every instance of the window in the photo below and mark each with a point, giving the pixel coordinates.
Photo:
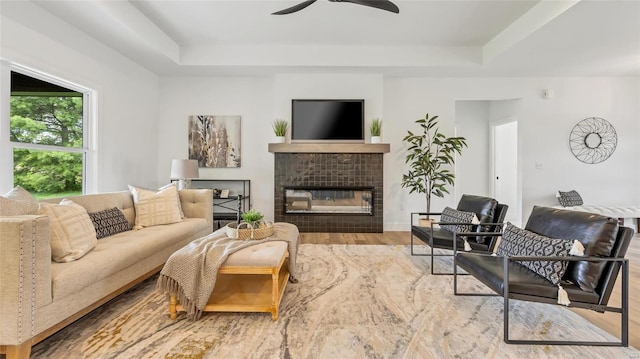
(48, 135)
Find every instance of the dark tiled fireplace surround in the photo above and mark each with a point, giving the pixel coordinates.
(322, 170)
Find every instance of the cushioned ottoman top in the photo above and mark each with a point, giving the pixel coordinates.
(267, 254)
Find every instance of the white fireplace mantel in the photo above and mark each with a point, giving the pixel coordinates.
(329, 148)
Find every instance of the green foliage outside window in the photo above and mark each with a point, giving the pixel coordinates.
(53, 121)
(47, 171)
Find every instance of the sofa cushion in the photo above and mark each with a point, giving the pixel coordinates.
(109, 222)
(596, 233)
(520, 242)
(156, 207)
(569, 199)
(120, 251)
(444, 239)
(18, 202)
(455, 216)
(72, 233)
(123, 200)
(489, 270)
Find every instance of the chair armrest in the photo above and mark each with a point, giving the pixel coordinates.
(472, 234)
(476, 234)
(25, 275)
(423, 214)
(563, 258)
(426, 213)
(474, 224)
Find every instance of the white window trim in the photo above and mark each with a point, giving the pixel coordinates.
(7, 146)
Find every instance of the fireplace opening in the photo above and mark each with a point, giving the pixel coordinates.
(328, 200)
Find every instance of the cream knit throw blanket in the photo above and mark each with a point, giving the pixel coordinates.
(190, 273)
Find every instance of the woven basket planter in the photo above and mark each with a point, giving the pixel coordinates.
(244, 230)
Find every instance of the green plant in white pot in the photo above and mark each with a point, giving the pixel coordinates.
(430, 155)
(375, 129)
(280, 128)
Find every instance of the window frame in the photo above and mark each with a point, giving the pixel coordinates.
(88, 118)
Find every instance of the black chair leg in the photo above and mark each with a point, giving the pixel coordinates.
(413, 253)
(455, 285)
(433, 255)
(624, 313)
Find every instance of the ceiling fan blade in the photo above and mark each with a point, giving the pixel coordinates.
(378, 4)
(295, 8)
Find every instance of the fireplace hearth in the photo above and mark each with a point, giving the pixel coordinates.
(329, 192)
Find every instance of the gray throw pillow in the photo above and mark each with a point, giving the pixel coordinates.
(109, 222)
(569, 199)
(521, 242)
(466, 220)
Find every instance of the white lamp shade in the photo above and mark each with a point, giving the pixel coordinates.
(183, 169)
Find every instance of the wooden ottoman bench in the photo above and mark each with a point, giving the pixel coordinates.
(252, 279)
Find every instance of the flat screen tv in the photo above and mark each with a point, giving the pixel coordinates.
(327, 121)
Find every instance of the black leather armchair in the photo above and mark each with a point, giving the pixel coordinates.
(588, 281)
(491, 215)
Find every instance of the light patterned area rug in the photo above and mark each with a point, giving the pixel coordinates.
(351, 301)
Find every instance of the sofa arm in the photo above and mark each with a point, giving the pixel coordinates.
(197, 203)
(25, 274)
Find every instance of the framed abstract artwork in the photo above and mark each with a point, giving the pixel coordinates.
(214, 141)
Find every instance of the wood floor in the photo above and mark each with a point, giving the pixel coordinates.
(607, 321)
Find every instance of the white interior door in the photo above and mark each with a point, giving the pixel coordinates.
(505, 179)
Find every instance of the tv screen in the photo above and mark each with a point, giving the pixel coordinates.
(327, 120)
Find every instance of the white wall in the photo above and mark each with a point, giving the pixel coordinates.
(473, 166)
(127, 94)
(544, 126)
(259, 100)
(330, 86)
(142, 119)
(544, 129)
(250, 97)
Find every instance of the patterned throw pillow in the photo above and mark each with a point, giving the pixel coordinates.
(569, 199)
(520, 242)
(109, 222)
(453, 215)
(156, 207)
(72, 233)
(175, 184)
(18, 202)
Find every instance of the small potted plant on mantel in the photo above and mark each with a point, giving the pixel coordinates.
(280, 128)
(430, 153)
(375, 129)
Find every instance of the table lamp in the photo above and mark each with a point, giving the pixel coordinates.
(184, 171)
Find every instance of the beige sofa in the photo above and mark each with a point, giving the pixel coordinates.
(39, 297)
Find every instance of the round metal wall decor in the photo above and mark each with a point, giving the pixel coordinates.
(593, 140)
